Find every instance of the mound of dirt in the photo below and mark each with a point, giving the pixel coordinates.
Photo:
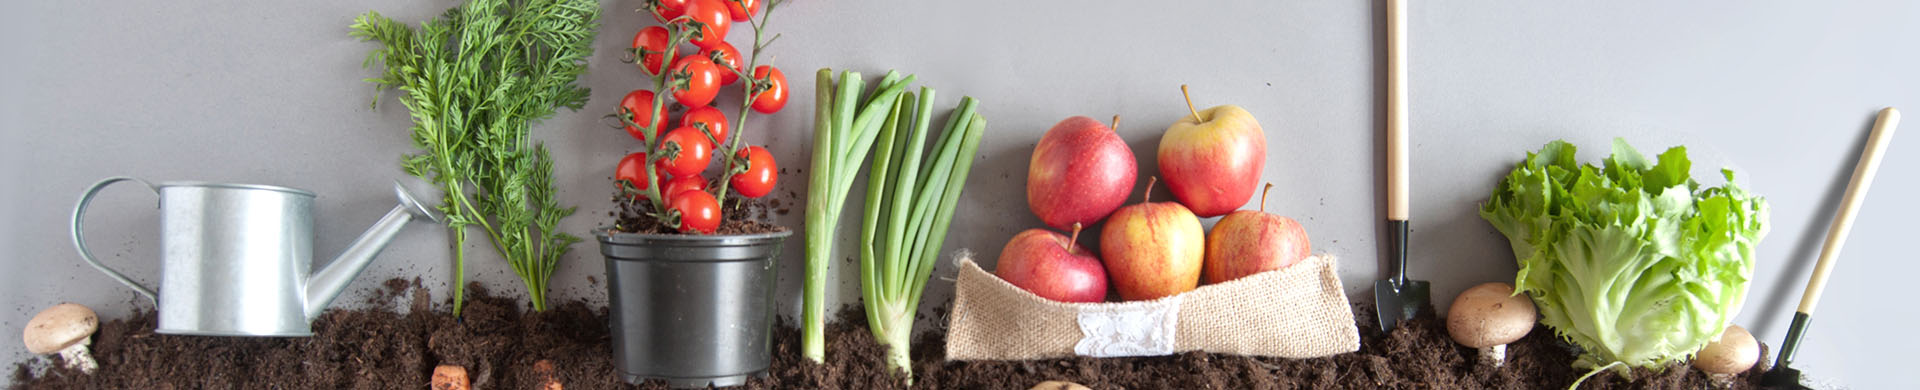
(501, 344)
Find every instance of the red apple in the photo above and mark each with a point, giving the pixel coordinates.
(1081, 171)
(1248, 242)
(1052, 266)
(1153, 249)
(1213, 159)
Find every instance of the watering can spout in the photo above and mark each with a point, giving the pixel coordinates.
(331, 280)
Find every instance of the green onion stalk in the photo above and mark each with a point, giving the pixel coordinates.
(845, 127)
(909, 206)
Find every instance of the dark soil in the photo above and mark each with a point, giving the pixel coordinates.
(502, 347)
(741, 216)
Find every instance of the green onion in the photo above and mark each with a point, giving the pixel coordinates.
(909, 207)
(843, 131)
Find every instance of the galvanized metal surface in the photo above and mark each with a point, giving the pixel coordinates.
(235, 257)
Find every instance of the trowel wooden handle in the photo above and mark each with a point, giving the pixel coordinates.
(1850, 205)
(1397, 110)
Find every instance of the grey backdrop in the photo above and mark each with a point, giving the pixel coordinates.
(270, 93)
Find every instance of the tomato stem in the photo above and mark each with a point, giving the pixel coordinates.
(753, 89)
(678, 35)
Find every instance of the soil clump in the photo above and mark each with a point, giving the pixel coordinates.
(499, 342)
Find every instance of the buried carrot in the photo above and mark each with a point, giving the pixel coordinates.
(549, 378)
(450, 377)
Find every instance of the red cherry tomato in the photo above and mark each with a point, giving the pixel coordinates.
(652, 42)
(774, 95)
(742, 13)
(639, 104)
(699, 212)
(714, 17)
(698, 78)
(664, 10)
(695, 152)
(633, 170)
(683, 184)
(759, 178)
(715, 120)
(727, 60)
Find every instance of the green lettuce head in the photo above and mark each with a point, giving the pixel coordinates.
(1631, 260)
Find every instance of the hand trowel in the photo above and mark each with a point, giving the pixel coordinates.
(1783, 376)
(1396, 297)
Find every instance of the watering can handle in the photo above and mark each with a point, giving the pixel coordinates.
(81, 242)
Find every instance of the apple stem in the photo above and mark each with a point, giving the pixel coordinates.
(1189, 97)
(1263, 197)
(1149, 192)
(1074, 239)
(1116, 123)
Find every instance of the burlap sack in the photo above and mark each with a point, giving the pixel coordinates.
(1296, 312)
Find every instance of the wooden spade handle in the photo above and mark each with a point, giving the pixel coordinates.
(1850, 205)
(1397, 110)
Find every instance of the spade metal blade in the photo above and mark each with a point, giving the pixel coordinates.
(1398, 298)
(1783, 375)
(1783, 378)
(1398, 303)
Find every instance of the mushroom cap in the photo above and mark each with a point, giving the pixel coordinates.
(59, 327)
(1490, 314)
(1734, 352)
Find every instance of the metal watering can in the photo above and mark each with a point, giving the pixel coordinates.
(235, 257)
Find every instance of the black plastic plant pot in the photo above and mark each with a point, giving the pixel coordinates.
(693, 310)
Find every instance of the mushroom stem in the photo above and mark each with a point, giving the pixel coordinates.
(77, 357)
(1496, 355)
(1720, 381)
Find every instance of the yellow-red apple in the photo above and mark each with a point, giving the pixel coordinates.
(1153, 249)
(1052, 266)
(1212, 159)
(1081, 171)
(1248, 242)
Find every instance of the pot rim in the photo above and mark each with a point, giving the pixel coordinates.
(606, 235)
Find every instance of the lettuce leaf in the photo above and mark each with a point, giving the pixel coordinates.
(1630, 260)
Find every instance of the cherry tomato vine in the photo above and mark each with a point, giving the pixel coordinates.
(664, 171)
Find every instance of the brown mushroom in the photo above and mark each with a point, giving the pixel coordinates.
(1732, 354)
(66, 328)
(1488, 317)
(1058, 385)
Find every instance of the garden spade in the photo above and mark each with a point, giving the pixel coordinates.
(1782, 375)
(1397, 297)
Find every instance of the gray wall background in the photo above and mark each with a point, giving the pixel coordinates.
(270, 93)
